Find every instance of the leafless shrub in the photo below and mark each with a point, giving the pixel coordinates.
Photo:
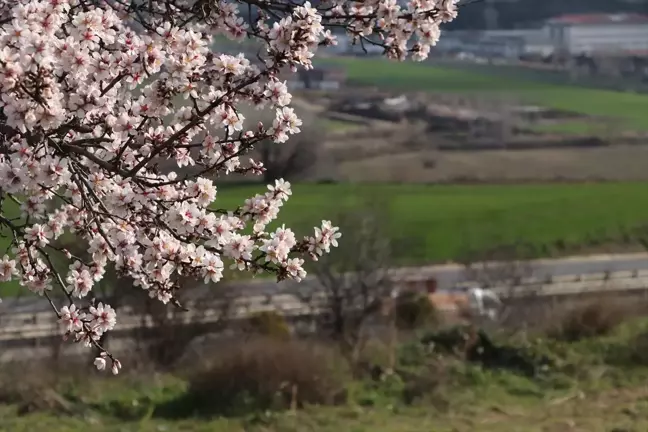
(266, 373)
(165, 334)
(590, 319)
(355, 285)
(38, 390)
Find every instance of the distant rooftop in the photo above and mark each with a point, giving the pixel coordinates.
(600, 19)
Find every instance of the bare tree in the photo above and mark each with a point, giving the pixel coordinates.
(355, 286)
(167, 335)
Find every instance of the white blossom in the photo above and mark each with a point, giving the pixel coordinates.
(100, 363)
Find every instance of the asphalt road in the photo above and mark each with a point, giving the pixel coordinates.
(447, 277)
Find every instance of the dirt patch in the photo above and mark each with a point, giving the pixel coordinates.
(610, 163)
(450, 138)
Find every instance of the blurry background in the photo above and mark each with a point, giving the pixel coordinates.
(523, 138)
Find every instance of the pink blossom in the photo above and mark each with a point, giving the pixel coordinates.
(71, 318)
(98, 109)
(104, 318)
(7, 268)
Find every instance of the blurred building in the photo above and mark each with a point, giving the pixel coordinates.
(567, 35)
(319, 78)
(594, 34)
(508, 44)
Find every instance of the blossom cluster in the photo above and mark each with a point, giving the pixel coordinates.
(115, 121)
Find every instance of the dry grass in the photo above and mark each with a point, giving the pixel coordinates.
(614, 410)
(43, 388)
(611, 163)
(406, 151)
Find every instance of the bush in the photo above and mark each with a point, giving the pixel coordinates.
(266, 373)
(42, 389)
(630, 348)
(490, 352)
(596, 318)
(270, 324)
(639, 349)
(414, 310)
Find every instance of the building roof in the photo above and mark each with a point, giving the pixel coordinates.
(600, 19)
(636, 53)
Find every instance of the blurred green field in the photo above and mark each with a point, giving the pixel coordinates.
(442, 222)
(451, 217)
(628, 108)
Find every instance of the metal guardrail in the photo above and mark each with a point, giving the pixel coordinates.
(29, 326)
(43, 325)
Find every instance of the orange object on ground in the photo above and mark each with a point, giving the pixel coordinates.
(449, 301)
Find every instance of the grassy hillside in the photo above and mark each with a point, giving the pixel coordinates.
(628, 108)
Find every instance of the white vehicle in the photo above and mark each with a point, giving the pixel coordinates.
(482, 302)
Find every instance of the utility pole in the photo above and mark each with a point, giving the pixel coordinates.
(491, 16)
